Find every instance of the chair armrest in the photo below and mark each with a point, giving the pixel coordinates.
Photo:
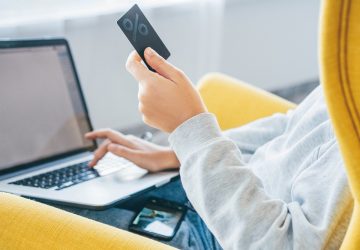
(235, 103)
(27, 224)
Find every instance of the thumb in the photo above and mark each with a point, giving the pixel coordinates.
(162, 66)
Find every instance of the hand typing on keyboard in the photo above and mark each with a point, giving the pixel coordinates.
(144, 154)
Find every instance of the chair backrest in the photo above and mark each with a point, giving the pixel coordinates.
(340, 76)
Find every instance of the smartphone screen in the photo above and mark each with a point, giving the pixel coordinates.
(158, 218)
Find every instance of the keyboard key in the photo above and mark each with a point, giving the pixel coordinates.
(65, 185)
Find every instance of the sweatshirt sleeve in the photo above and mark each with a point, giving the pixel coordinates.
(232, 201)
(249, 137)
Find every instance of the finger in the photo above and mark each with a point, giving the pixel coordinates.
(136, 68)
(122, 151)
(112, 135)
(136, 156)
(161, 66)
(99, 153)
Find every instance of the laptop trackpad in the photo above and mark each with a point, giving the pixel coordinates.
(130, 173)
(122, 169)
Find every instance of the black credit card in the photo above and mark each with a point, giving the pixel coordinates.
(141, 34)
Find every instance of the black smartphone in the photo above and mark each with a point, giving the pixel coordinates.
(159, 219)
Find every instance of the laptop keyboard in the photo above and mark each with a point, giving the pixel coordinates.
(81, 172)
(60, 178)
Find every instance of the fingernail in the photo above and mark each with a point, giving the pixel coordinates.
(149, 52)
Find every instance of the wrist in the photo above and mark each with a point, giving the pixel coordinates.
(197, 110)
(170, 160)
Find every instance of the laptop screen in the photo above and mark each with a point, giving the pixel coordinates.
(42, 113)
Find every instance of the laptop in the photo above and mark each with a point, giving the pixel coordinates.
(43, 119)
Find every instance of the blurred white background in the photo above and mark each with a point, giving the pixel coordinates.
(269, 43)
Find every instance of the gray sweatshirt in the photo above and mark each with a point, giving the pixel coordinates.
(276, 183)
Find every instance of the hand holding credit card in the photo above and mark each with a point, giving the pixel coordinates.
(166, 99)
(141, 34)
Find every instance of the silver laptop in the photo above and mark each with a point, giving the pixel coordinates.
(43, 119)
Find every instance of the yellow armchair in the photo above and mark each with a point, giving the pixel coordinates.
(340, 75)
(26, 224)
(236, 103)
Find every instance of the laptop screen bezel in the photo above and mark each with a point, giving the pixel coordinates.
(39, 43)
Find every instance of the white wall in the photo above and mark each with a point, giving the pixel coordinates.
(270, 43)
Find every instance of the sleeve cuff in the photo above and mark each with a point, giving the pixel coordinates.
(194, 132)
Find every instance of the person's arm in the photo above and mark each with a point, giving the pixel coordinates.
(234, 204)
(249, 137)
(224, 191)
